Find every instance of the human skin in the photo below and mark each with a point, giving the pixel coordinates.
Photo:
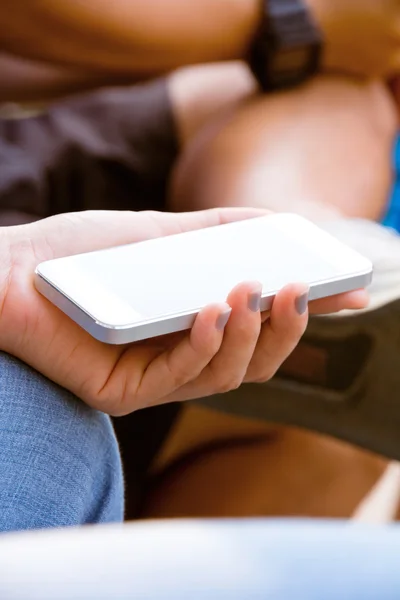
(229, 343)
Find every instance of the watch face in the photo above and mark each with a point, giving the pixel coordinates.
(288, 46)
(290, 60)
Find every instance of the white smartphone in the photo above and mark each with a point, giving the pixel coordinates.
(143, 290)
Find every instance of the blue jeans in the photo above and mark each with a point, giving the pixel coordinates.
(60, 465)
(59, 459)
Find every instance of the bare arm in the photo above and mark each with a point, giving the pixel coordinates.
(138, 37)
(147, 37)
(29, 82)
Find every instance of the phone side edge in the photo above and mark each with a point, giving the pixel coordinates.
(341, 285)
(102, 332)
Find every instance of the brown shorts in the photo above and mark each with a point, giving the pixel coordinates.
(112, 149)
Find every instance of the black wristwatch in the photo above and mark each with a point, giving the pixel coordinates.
(288, 45)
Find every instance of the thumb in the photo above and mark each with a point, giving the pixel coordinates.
(75, 233)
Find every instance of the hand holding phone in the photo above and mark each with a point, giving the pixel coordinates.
(121, 379)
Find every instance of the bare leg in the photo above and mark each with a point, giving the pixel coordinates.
(282, 472)
(319, 150)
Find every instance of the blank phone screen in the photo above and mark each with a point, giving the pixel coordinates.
(185, 272)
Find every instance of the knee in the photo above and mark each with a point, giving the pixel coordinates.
(326, 145)
(60, 462)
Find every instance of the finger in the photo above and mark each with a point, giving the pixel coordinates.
(281, 332)
(173, 368)
(75, 233)
(349, 301)
(228, 368)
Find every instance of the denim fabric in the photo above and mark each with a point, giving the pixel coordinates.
(204, 560)
(59, 459)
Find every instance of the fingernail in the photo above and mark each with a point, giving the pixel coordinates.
(301, 303)
(223, 319)
(254, 301)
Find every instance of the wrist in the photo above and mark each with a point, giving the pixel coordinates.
(18, 262)
(5, 270)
